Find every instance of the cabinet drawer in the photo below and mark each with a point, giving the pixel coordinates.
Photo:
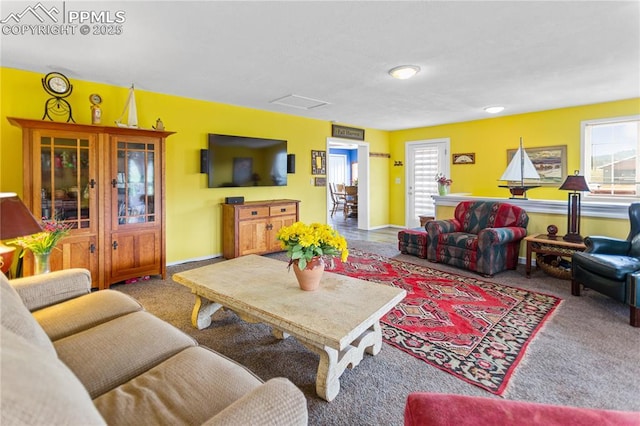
(253, 212)
(282, 209)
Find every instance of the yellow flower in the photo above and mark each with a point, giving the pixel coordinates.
(304, 242)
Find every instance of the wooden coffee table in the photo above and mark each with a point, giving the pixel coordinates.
(339, 322)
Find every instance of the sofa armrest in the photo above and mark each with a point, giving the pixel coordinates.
(497, 236)
(276, 402)
(39, 291)
(607, 245)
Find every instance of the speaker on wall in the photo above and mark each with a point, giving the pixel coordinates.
(204, 161)
(291, 163)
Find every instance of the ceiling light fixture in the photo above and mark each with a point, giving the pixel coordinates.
(404, 72)
(494, 109)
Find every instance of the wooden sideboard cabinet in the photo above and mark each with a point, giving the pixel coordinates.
(251, 228)
(108, 183)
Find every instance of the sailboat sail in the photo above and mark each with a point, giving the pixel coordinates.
(520, 168)
(130, 106)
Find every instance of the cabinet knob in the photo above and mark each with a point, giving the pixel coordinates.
(92, 183)
(113, 183)
(254, 213)
(115, 245)
(92, 248)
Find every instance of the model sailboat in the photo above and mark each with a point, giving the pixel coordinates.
(130, 106)
(519, 169)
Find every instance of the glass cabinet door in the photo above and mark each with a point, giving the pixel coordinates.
(135, 181)
(65, 182)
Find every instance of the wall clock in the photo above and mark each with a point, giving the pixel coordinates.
(59, 86)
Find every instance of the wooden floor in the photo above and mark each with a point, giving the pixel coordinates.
(349, 229)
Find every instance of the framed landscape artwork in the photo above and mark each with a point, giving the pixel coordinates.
(550, 163)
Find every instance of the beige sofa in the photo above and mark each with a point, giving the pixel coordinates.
(74, 357)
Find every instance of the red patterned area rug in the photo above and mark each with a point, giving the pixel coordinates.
(474, 329)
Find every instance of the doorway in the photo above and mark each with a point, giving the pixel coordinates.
(424, 160)
(353, 170)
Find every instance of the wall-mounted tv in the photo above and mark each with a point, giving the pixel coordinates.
(240, 161)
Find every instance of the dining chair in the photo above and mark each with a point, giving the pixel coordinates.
(351, 202)
(335, 199)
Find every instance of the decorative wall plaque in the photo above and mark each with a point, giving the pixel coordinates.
(318, 162)
(347, 132)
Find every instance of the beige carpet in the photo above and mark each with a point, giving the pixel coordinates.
(587, 355)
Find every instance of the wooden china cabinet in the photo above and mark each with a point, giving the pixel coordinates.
(108, 184)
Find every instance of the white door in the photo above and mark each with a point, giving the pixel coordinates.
(424, 160)
(337, 168)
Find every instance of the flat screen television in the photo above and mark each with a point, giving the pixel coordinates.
(240, 161)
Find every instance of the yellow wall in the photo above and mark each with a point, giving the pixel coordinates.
(193, 210)
(489, 139)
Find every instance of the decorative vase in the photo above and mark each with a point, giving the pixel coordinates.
(42, 265)
(443, 189)
(309, 277)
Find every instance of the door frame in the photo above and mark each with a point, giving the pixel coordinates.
(443, 158)
(363, 178)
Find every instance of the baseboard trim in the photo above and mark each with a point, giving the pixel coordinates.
(195, 259)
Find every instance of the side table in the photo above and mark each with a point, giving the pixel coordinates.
(543, 244)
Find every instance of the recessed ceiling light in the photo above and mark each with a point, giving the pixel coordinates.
(404, 72)
(494, 109)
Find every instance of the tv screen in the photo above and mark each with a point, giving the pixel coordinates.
(240, 161)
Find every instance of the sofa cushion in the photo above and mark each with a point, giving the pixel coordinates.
(478, 215)
(79, 314)
(123, 348)
(16, 317)
(38, 291)
(30, 374)
(188, 388)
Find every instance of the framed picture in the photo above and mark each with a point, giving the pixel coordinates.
(466, 158)
(321, 181)
(318, 162)
(550, 163)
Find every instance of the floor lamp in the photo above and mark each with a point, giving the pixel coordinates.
(575, 183)
(15, 221)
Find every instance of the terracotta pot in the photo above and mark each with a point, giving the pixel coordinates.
(309, 278)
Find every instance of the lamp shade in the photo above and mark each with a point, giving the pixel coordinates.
(575, 183)
(15, 218)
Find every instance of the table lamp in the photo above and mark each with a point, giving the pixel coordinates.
(574, 183)
(15, 221)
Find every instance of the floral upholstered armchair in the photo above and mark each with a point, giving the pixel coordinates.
(484, 237)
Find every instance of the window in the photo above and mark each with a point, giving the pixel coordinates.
(610, 150)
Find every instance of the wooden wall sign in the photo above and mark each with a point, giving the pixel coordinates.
(347, 132)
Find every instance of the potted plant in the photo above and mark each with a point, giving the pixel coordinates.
(307, 246)
(42, 243)
(443, 184)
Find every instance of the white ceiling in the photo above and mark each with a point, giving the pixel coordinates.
(526, 56)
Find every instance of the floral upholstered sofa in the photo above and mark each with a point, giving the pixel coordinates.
(483, 236)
